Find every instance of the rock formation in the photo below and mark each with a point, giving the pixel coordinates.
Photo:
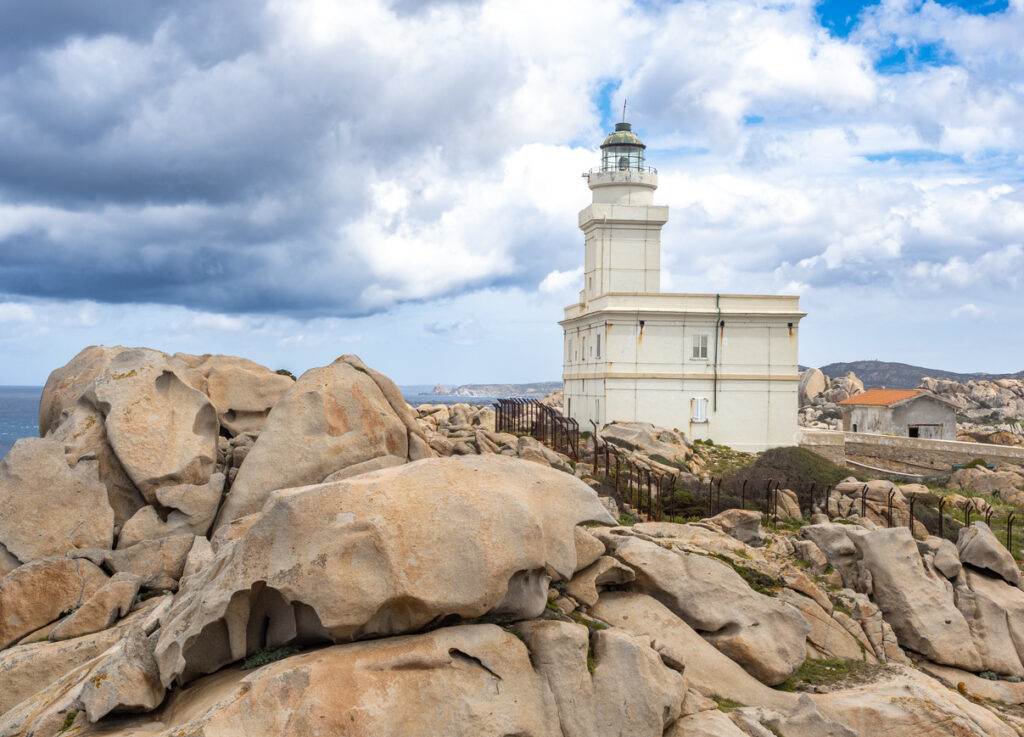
(358, 584)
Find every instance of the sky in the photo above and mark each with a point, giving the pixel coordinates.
(291, 180)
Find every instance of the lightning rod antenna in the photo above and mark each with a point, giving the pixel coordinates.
(624, 101)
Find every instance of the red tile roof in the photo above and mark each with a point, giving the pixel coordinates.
(882, 397)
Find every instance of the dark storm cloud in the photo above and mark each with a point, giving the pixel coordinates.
(196, 154)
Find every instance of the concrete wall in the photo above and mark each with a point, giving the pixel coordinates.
(907, 453)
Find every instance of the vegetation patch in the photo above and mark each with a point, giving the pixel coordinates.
(268, 655)
(69, 721)
(830, 672)
(727, 705)
(789, 464)
(286, 372)
(759, 582)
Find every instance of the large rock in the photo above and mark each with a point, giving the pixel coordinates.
(994, 610)
(916, 602)
(467, 681)
(763, 635)
(904, 701)
(40, 592)
(47, 507)
(163, 431)
(706, 669)
(339, 420)
(111, 601)
(659, 444)
(827, 635)
(123, 678)
(383, 553)
(980, 480)
(158, 563)
(979, 548)
(30, 668)
(83, 436)
(742, 524)
(242, 391)
(625, 690)
(192, 511)
(66, 385)
(812, 383)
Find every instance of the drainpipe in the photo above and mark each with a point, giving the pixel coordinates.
(718, 337)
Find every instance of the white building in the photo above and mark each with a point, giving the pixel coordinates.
(717, 366)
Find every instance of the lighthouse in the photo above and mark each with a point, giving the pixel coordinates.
(718, 366)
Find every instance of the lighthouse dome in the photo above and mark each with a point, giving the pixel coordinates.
(623, 135)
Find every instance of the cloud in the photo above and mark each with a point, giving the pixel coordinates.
(234, 167)
(15, 312)
(968, 309)
(561, 281)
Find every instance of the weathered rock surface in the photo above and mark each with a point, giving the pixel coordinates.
(629, 692)
(704, 667)
(660, 444)
(243, 392)
(471, 681)
(109, 603)
(979, 548)
(606, 571)
(28, 669)
(917, 603)
(123, 678)
(763, 635)
(37, 593)
(361, 557)
(193, 508)
(338, 420)
(47, 507)
(162, 430)
(742, 524)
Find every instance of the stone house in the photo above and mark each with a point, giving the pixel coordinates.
(909, 413)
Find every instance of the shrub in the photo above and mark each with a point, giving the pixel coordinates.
(266, 656)
(286, 372)
(797, 468)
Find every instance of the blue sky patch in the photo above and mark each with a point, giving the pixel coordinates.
(753, 119)
(909, 58)
(914, 156)
(839, 17)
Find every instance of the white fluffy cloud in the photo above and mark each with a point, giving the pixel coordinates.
(299, 166)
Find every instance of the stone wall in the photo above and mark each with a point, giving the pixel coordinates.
(827, 443)
(905, 453)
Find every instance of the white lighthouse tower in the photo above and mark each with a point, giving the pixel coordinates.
(718, 366)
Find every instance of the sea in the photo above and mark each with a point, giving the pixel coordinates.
(19, 414)
(19, 409)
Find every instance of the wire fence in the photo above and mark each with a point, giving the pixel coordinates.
(658, 492)
(520, 416)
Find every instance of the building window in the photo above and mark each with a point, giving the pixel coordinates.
(699, 409)
(700, 347)
(598, 345)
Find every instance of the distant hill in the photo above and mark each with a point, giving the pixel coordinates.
(536, 389)
(902, 375)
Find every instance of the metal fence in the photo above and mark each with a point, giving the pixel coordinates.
(529, 417)
(658, 495)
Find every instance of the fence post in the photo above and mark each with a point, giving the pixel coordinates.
(968, 508)
(910, 522)
(864, 501)
(1009, 533)
(942, 518)
(888, 511)
(616, 473)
